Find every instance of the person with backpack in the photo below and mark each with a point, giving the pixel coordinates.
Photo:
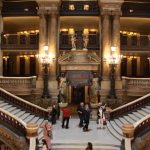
(47, 131)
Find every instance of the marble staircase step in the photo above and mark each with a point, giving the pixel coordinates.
(118, 122)
(24, 116)
(137, 114)
(7, 107)
(142, 112)
(3, 104)
(29, 118)
(146, 110)
(133, 117)
(34, 120)
(11, 109)
(20, 113)
(113, 132)
(15, 111)
(116, 127)
(129, 120)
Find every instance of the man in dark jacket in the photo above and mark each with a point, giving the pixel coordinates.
(86, 117)
(53, 114)
(80, 111)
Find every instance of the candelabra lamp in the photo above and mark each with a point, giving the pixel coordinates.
(46, 60)
(113, 61)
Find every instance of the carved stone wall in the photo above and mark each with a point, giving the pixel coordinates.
(12, 141)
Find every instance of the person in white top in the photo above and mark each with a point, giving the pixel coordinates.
(101, 117)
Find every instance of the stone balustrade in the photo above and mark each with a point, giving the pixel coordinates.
(130, 106)
(136, 86)
(142, 125)
(132, 131)
(30, 130)
(23, 103)
(13, 121)
(18, 85)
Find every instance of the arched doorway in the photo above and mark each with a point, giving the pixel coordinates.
(78, 94)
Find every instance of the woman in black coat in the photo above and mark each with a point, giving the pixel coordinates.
(86, 118)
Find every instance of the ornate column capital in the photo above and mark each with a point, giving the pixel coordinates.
(110, 7)
(48, 6)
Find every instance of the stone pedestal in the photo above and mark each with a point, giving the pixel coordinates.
(94, 108)
(32, 132)
(128, 133)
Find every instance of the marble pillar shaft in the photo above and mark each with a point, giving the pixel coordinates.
(1, 53)
(52, 42)
(116, 40)
(42, 39)
(105, 45)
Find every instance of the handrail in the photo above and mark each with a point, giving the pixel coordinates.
(130, 106)
(13, 121)
(143, 123)
(23, 103)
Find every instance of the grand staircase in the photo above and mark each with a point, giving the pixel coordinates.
(74, 138)
(25, 116)
(115, 125)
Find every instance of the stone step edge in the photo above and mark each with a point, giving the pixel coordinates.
(81, 144)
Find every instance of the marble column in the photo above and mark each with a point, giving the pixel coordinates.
(105, 45)
(1, 30)
(52, 42)
(116, 40)
(42, 38)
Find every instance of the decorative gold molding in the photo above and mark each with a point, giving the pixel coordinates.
(11, 140)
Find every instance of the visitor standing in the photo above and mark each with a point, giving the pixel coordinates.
(86, 117)
(47, 131)
(80, 111)
(66, 117)
(53, 114)
(89, 146)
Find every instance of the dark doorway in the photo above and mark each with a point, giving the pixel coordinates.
(32, 66)
(78, 95)
(134, 67)
(124, 67)
(22, 66)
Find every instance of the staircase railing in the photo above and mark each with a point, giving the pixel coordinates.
(24, 104)
(132, 131)
(28, 130)
(13, 121)
(142, 125)
(130, 106)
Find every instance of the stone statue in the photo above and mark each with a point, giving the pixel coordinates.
(62, 89)
(85, 42)
(73, 42)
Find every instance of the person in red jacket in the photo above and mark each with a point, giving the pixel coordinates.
(66, 117)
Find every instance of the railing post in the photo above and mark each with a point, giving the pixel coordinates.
(124, 83)
(128, 134)
(32, 129)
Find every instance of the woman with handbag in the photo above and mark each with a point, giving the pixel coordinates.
(101, 118)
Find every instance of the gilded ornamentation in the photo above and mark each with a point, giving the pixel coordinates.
(15, 143)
